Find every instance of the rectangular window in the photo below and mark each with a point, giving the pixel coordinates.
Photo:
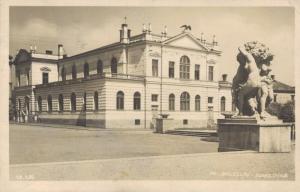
(154, 97)
(154, 67)
(210, 99)
(185, 121)
(210, 73)
(137, 121)
(197, 72)
(45, 78)
(171, 69)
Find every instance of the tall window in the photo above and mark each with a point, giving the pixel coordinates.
(49, 99)
(27, 104)
(223, 104)
(96, 101)
(63, 74)
(171, 102)
(137, 101)
(184, 67)
(185, 101)
(86, 70)
(210, 73)
(74, 72)
(233, 107)
(197, 103)
(120, 100)
(73, 102)
(171, 69)
(20, 104)
(27, 75)
(45, 78)
(18, 78)
(61, 102)
(154, 67)
(275, 98)
(99, 67)
(210, 99)
(197, 72)
(114, 66)
(40, 107)
(84, 101)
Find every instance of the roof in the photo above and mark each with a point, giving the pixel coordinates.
(282, 87)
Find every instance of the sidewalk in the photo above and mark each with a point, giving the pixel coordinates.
(246, 165)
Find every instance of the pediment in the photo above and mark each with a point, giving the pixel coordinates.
(185, 40)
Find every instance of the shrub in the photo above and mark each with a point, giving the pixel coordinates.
(274, 109)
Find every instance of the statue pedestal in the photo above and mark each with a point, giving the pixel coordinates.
(248, 133)
(164, 124)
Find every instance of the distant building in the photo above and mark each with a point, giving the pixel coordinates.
(282, 92)
(125, 84)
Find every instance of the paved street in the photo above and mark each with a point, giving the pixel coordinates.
(36, 144)
(52, 153)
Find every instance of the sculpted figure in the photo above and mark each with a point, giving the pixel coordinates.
(252, 86)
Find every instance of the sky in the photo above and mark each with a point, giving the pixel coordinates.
(81, 29)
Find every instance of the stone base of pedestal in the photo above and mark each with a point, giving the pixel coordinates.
(247, 133)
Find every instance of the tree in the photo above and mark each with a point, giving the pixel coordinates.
(287, 112)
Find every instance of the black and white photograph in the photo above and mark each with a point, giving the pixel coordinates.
(150, 93)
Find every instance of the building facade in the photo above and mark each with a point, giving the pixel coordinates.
(127, 84)
(283, 93)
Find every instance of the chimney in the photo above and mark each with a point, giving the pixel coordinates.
(224, 77)
(144, 28)
(273, 77)
(60, 51)
(149, 28)
(124, 33)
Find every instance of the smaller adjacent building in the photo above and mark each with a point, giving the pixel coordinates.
(282, 92)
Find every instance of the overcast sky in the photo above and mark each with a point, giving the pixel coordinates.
(83, 28)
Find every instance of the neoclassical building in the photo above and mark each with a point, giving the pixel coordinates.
(127, 84)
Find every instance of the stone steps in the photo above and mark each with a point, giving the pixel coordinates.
(193, 132)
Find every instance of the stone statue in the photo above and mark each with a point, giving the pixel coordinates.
(252, 85)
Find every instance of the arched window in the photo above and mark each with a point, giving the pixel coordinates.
(114, 66)
(99, 67)
(184, 67)
(86, 70)
(197, 103)
(172, 102)
(137, 101)
(27, 104)
(84, 102)
(96, 101)
(49, 99)
(61, 102)
(120, 100)
(40, 107)
(74, 72)
(63, 74)
(73, 102)
(185, 101)
(223, 104)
